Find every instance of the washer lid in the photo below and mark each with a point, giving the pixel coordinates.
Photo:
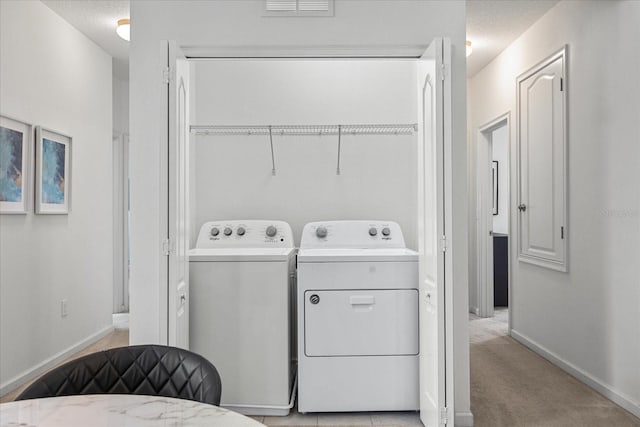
(357, 255)
(240, 254)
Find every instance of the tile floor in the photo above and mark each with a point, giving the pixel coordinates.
(346, 419)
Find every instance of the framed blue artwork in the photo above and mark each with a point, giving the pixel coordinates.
(53, 172)
(15, 166)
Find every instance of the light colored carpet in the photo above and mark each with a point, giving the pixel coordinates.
(512, 386)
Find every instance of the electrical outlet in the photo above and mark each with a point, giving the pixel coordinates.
(63, 308)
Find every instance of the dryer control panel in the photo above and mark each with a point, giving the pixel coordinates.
(245, 234)
(352, 234)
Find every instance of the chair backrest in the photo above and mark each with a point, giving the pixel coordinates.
(144, 369)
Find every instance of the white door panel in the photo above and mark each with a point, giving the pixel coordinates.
(178, 232)
(431, 233)
(541, 150)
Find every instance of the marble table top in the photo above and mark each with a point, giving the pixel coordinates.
(118, 410)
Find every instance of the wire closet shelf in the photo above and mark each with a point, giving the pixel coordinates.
(284, 130)
(293, 130)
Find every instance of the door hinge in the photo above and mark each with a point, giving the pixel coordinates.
(166, 246)
(561, 84)
(166, 75)
(444, 71)
(562, 233)
(443, 244)
(444, 417)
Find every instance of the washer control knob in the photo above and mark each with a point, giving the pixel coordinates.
(215, 231)
(271, 231)
(386, 231)
(240, 231)
(321, 232)
(373, 231)
(228, 231)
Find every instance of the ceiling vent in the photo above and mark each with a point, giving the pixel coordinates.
(298, 7)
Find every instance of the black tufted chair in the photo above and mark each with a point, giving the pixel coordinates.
(143, 369)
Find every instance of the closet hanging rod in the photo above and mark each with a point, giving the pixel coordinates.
(287, 130)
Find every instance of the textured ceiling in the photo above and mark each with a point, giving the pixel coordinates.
(493, 24)
(97, 20)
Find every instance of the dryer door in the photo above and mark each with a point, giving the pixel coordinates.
(361, 322)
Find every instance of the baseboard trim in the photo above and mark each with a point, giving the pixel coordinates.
(49, 363)
(604, 389)
(463, 419)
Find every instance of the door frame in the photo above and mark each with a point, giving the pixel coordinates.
(404, 53)
(447, 116)
(484, 219)
(121, 222)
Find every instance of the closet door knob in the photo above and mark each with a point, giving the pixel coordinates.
(522, 207)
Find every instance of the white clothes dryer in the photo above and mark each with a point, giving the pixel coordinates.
(357, 318)
(242, 283)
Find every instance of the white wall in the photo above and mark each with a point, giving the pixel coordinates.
(240, 23)
(120, 90)
(587, 319)
(499, 146)
(378, 173)
(51, 75)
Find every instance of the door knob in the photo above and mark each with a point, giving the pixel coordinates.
(522, 207)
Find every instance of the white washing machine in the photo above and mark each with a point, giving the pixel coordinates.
(242, 283)
(357, 318)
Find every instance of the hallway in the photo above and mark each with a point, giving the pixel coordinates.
(512, 386)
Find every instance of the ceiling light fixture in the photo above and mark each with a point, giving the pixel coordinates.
(469, 48)
(124, 28)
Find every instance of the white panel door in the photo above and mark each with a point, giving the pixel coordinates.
(541, 149)
(178, 228)
(431, 228)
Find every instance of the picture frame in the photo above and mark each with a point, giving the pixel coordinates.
(494, 177)
(16, 140)
(53, 172)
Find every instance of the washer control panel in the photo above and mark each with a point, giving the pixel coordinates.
(352, 234)
(245, 233)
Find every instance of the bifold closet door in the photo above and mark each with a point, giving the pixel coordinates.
(433, 153)
(176, 245)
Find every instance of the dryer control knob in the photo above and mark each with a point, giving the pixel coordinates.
(215, 231)
(321, 232)
(386, 231)
(373, 231)
(271, 231)
(228, 231)
(240, 231)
